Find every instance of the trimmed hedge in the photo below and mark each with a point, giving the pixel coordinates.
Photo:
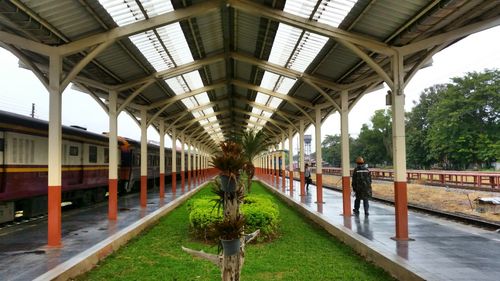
(260, 212)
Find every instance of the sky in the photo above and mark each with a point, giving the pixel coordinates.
(20, 89)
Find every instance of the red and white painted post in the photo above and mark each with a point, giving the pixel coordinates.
(319, 159)
(162, 159)
(113, 156)
(144, 158)
(290, 159)
(301, 158)
(344, 135)
(174, 162)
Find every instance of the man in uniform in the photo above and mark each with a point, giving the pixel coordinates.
(361, 185)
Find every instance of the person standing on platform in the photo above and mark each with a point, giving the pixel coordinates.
(307, 176)
(361, 185)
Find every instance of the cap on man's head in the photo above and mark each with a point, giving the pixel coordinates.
(360, 160)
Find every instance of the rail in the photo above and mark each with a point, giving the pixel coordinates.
(444, 178)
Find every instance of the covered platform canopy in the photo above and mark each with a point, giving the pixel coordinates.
(205, 71)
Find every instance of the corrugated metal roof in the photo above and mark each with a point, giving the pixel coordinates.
(248, 46)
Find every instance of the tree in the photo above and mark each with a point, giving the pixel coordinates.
(331, 149)
(465, 122)
(417, 128)
(375, 143)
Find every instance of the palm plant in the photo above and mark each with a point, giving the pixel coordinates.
(252, 143)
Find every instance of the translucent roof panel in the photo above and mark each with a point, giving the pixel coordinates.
(275, 102)
(334, 12)
(261, 98)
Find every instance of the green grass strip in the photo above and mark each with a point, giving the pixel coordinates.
(303, 251)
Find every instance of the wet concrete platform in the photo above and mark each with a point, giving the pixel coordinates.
(438, 250)
(87, 237)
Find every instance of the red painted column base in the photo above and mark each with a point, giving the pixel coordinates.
(290, 177)
(162, 185)
(183, 180)
(54, 216)
(401, 206)
(346, 196)
(174, 182)
(113, 199)
(302, 184)
(283, 180)
(144, 191)
(189, 180)
(319, 188)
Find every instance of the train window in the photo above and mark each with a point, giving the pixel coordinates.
(92, 154)
(106, 155)
(73, 150)
(1, 145)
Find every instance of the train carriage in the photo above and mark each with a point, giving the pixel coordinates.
(85, 157)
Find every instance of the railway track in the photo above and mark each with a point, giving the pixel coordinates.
(462, 218)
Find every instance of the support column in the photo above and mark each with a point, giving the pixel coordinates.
(301, 158)
(54, 152)
(344, 135)
(183, 164)
(319, 159)
(399, 150)
(283, 166)
(162, 159)
(195, 166)
(144, 158)
(174, 162)
(113, 157)
(189, 166)
(290, 159)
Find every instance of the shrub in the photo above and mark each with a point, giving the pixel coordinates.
(259, 211)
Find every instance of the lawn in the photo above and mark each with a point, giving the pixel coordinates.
(303, 251)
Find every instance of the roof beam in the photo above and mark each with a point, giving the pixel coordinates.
(26, 44)
(310, 25)
(272, 93)
(173, 72)
(448, 36)
(198, 91)
(287, 72)
(140, 26)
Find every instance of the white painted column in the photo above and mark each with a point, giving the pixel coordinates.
(283, 166)
(144, 158)
(319, 158)
(344, 135)
(301, 158)
(54, 152)
(113, 156)
(174, 161)
(162, 158)
(399, 149)
(183, 163)
(290, 158)
(189, 170)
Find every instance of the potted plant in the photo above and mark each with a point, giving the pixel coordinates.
(229, 162)
(229, 232)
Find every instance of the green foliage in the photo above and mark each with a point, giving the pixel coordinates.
(259, 211)
(457, 124)
(374, 142)
(302, 252)
(331, 149)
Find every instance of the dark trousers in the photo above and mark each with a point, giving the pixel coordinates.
(357, 202)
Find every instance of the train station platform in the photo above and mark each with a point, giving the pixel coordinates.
(87, 237)
(439, 249)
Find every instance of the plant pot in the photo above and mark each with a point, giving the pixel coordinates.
(228, 184)
(230, 247)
